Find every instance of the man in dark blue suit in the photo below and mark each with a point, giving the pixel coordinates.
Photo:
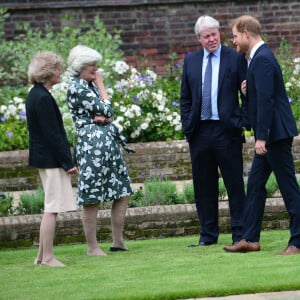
(270, 115)
(212, 123)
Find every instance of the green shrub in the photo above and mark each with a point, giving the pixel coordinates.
(137, 199)
(14, 135)
(188, 192)
(271, 186)
(291, 75)
(8, 94)
(31, 202)
(159, 192)
(6, 202)
(222, 189)
(31, 40)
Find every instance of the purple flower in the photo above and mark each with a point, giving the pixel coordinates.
(175, 103)
(148, 80)
(142, 175)
(3, 119)
(9, 134)
(291, 100)
(118, 86)
(177, 65)
(136, 99)
(23, 114)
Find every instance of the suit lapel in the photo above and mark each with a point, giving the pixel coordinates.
(249, 71)
(224, 60)
(255, 54)
(198, 70)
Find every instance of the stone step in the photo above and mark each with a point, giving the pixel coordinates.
(141, 223)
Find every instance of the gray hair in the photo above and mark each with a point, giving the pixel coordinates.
(80, 57)
(205, 22)
(43, 66)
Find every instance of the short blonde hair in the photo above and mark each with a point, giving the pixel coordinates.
(205, 22)
(43, 66)
(80, 57)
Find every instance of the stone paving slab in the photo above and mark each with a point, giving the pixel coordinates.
(290, 295)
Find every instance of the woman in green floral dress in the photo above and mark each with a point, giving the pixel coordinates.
(103, 174)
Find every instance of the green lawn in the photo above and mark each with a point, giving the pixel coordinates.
(152, 269)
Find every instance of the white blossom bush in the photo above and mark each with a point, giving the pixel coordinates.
(291, 76)
(292, 86)
(15, 109)
(143, 110)
(146, 105)
(13, 125)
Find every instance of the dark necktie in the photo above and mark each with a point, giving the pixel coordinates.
(206, 95)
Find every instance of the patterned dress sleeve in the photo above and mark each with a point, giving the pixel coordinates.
(84, 103)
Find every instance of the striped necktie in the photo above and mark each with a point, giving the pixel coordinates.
(206, 95)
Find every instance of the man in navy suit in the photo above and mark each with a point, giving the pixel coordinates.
(215, 139)
(270, 115)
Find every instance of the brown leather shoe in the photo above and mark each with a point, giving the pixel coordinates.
(243, 246)
(290, 250)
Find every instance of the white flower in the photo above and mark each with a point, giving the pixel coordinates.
(119, 119)
(288, 85)
(135, 134)
(161, 107)
(21, 106)
(297, 60)
(129, 114)
(110, 92)
(3, 109)
(151, 74)
(178, 127)
(136, 109)
(134, 70)
(123, 108)
(144, 126)
(121, 67)
(17, 100)
(11, 110)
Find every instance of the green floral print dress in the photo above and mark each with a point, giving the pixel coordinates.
(103, 174)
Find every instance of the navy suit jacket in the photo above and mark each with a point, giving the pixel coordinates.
(268, 109)
(48, 145)
(232, 72)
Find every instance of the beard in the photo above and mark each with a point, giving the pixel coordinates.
(242, 47)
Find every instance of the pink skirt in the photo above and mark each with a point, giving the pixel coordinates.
(59, 196)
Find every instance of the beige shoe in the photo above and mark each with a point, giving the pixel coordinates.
(37, 261)
(290, 250)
